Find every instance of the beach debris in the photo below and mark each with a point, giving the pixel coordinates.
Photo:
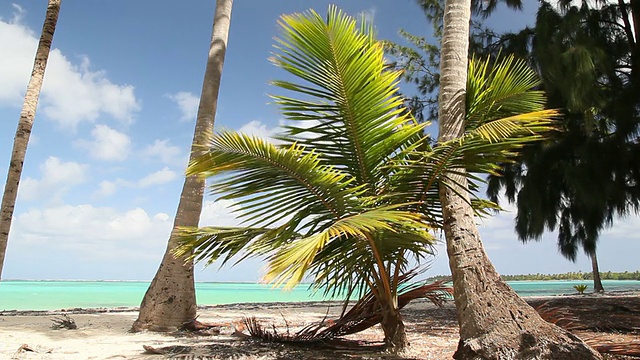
(27, 348)
(615, 344)
(166, 350)
(64, 322)
(363, 315)
(559, 316)
(22, 348)
(201, 328)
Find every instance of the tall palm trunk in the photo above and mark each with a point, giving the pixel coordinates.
(25, 124)
(597, 282)
(495, 323)
(171, 298)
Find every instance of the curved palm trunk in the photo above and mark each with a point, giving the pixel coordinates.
(25, 124)
(597, 282)
(495, 323)
(171, 298)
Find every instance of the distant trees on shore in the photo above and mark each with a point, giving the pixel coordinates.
(572, 275)
(609, 275)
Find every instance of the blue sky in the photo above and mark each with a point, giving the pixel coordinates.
(104, 167)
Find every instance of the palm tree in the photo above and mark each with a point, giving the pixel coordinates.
(350, 194)
(495, 323)
(171, 298)
(27, 115)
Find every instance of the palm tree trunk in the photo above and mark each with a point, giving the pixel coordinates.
(171, 298)
(395, 336)
(495, 323)
(597, 282)
(27, 115)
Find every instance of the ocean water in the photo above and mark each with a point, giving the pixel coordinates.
(53, 295)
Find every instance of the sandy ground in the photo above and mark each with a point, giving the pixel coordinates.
(105, 336)
(432, 332)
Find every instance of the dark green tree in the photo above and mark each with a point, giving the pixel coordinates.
(587, 174)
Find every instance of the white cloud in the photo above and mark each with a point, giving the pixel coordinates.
(188, 104)
(107, 144)
(158, 178)
(70, 93)
(218, 213)
(88, 231)
(166, 153)
(57, 178)
(258, 129)
(369, 15)
(106, 188)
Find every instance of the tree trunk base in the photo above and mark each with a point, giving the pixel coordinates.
(395, 336)
(545, 341)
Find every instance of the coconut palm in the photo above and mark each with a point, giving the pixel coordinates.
(350, 193)
(495, 323)
(170, 300)
(27, 115)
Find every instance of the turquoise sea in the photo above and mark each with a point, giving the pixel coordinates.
(54, 295)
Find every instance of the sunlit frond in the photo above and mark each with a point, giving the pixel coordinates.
(273, 183)
(356, 121)
(290, 263)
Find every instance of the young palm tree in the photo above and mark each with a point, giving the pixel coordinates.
(495, 323)
(27, 115)
(351, 192)
(170, 300)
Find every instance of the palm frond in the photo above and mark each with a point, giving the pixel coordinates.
(357, 123)
(272, 183)
(288, 265)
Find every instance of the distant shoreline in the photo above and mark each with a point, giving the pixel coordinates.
(278, 305)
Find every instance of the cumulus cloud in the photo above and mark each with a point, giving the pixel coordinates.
(218, 213)
(257, 128)
(71, 93)
(158, 178)
(106, 188)
(166, 153)
(164, 176)
(91, 231)
(57, 178)
(107, 144)
(187, 103)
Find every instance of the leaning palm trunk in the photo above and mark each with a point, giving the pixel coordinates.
(597, 282)
(494, 322)
(171, 300)
(25, 124)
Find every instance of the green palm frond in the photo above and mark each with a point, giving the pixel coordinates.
(348, 100)
(289, 264)
(501, 88)
(208, 244)
(273, 183)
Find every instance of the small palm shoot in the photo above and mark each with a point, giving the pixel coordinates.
(580, 288)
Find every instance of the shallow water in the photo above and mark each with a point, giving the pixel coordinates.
(52, 295)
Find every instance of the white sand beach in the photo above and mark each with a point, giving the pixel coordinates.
(432, 331)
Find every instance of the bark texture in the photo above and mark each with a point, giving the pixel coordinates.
(597, 282)
(395, 335)
(495, 323)
(171, 299)
(23, 132)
